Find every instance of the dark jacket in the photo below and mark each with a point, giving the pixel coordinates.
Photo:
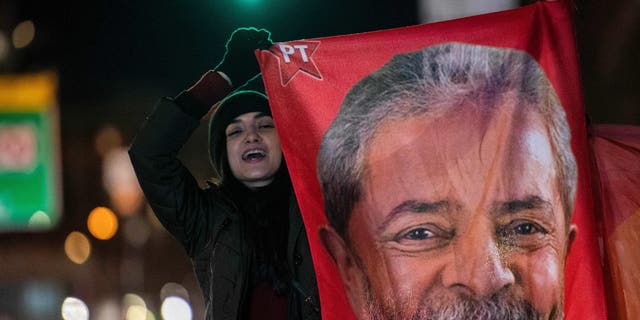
(208, 224)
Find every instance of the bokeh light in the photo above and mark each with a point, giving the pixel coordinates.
(39, 298)
(107, 138)
(121, 182)
(39, 220)
(107, 309)
(176, 308)
(135, 308)
(102, 223)
(74, 309)
(23, 34)
(132, 299)
(172, 289)
(136, 313)
(77, 247)
(437, 10)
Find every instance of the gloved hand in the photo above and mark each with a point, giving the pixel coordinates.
(239, 62)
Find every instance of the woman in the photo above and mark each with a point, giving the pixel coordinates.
(244, 235)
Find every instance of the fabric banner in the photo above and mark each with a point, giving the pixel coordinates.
(616, 170)
(442, 170)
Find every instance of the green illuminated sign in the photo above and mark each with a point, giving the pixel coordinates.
(29, 152)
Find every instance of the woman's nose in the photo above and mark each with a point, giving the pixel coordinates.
(251, 135)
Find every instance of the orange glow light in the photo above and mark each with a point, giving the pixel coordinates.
(77, 247)
(102, 223)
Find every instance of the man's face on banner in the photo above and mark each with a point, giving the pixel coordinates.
(460, 216)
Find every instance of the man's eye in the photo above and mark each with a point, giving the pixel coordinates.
(526, 229)
(421, 233)
(522, 228)
(418, 238)
(523, 233)
(418, 234)
(267, 126)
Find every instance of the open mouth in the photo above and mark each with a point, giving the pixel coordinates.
(253, 155)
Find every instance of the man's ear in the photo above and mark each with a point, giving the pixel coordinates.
(352, 275)
(571, 236)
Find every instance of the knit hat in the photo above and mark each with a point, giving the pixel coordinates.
(234, 105)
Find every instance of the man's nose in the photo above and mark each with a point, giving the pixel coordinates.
(478, 268)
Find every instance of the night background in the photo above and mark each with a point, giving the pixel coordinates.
(114, 59)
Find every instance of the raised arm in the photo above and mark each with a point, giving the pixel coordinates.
(185, 210)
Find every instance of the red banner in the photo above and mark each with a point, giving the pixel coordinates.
(437, 185)
(616, 173)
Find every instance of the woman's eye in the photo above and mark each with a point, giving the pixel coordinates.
(233, 132)
(267, 126)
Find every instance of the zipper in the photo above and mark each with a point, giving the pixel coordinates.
(307, 298)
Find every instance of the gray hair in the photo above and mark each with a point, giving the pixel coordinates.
(432, 81)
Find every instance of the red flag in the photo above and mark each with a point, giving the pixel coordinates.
(616, 164)
(307, 84)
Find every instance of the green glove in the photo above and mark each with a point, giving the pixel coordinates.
(239, 62)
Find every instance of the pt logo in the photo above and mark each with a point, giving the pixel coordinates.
(295, 57)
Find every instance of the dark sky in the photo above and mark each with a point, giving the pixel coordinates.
(104, 49)
(115, 58)
(98, 46)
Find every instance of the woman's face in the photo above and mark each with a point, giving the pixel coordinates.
(253, 149)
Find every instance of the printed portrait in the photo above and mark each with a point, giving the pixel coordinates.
(448, 183)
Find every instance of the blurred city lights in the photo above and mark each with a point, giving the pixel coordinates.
(132, 299)
(175, 308)
(18, 147)
(107, 310)
(121, 182)
(77, 247)
(41, 298)
(23, 34)
(39, 220)
(102, 223)
(172, 289)
(74, 309)
(108, 138)
(135, 308)
(136, 313)
(436, 10)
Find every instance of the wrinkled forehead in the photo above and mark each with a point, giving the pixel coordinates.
(465, 159)
(509, 138)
